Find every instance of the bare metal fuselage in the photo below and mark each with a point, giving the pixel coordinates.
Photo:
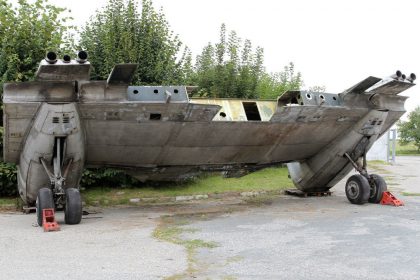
(158, 133)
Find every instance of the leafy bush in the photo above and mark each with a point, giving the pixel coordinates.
(8, 179)
(106, 177)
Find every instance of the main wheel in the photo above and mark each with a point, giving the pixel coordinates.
(73, 208)
(44, 200)
(357, 189)
(377, 188)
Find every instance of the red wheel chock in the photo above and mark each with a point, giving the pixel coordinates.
(48, 220)
(389, 199)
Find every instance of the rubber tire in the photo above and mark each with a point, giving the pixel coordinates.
(73, 208)
(357, 189)
(44, 200)
(377, 191)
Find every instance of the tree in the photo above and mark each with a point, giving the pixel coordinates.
(205, 69)
(186, 73)
(275, 84)
(409, 131)
(27, 31)
(229, 68)
(120, 34)
(232, 68)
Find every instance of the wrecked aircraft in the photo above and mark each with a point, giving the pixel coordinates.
(63, 122)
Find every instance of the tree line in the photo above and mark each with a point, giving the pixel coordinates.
(123, 32)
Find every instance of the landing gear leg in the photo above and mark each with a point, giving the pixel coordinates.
(362, 188)
(61, 197)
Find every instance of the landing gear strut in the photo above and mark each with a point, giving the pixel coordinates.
(362, 188)
(57, 196)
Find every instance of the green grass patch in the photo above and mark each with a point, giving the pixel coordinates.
(9, 204)
(408, 149)
(6, 202)
(264, 180)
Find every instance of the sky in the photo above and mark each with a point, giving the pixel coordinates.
(332, 43)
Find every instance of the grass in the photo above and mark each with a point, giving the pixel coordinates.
(269, 179)
(408, 149)
(9, 203)
(264, 180)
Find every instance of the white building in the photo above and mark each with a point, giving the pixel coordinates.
(382, 149)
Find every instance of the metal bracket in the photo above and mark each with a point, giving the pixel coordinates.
(361, 169)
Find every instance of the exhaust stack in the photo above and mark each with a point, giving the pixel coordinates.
(64, 69)
(66, 58)
(397, 75)
(51, 57)
(412, 78)
(82, 56)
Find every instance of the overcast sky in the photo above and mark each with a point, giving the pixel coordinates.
(332, 43)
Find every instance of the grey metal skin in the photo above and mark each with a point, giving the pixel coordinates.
(52, 121)
(157, 133)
